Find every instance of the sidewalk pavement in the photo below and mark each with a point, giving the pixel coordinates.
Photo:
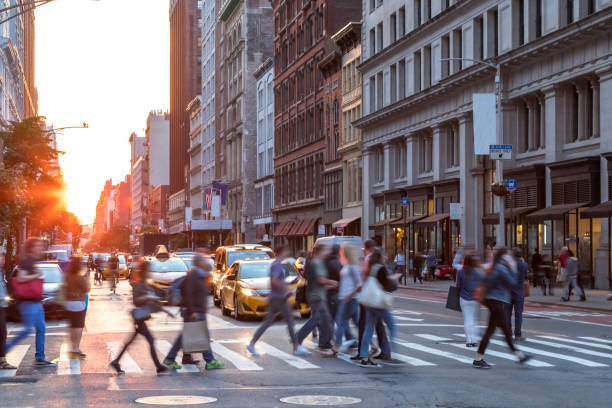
(596, 300)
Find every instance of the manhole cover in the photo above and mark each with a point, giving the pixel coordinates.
(175, 400)
(320, 400)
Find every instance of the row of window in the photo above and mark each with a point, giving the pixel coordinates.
(309, 31)
(300, 130)
(350, 133)
(351, 77)
(333, 190)
(353, 174)
(300, 180)
(264, 201)
(303, 83)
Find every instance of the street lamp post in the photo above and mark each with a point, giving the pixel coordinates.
(501, 235)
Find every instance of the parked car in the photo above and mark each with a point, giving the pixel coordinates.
(225, 256)
(53, 278)
(245, 288)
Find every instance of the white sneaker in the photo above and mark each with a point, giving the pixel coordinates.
(346, 345)
(301, 351)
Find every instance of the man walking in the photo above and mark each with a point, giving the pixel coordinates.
(31, 309)
(316, 294)
(517, 294)
(277, 304)
(194, 295)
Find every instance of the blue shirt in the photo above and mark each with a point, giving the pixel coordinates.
(500, 282)
(518, 292)
(466, 284)
(277, 271)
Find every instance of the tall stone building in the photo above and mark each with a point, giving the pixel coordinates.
(244, 39)
(418, 126)
(185, 84)
(302, 30)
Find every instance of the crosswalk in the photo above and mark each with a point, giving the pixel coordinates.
(422, 350)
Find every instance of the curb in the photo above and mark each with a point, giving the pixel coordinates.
(534, 302)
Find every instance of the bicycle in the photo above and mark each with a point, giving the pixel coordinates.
(114, 282)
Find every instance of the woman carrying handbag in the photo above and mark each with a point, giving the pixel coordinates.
(145, 302)
(377, 299)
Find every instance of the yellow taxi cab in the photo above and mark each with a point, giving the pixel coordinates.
(245, 288)
(122, 268)
(225, 256)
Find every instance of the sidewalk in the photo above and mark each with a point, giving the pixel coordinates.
(596, 299)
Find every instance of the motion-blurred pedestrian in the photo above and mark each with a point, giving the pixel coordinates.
(348, 307)
(468, 279)
(194, 300)
(277, 304)
(76, 287)
(143, 298)
(31, 310)
(497, 285)
(417, 267)
(574, 267)
(375, 315)
(517, 299)
(4, 365)
(544, 274)
(316, 293)
(333, 265)
(400, 265)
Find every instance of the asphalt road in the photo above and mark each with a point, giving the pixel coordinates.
(572, 353)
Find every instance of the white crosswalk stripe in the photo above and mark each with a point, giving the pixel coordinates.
(296, 362)
(531, 350)
(425, 349)
(127, 362)
(66, 365)
(572, 348)
(14, 358)
(584, 343)
(597, 340)
(164, 347)
(506, 356)
(238, 360)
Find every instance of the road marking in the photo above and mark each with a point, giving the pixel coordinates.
(241, 362)
(66, 365)
(127, 362)
(399, 311)
(597, 340)
(572, 348)
(507, 356)
(434, 351)
(164, 347)
(429, 325)
(296, 362)
(396, 317)
(14, 358)
(216, 322)
(576, 360)
(584, 343)
(308, 343)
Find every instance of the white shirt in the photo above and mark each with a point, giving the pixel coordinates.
(400, 259)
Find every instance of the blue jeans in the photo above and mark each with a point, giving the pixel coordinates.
(33, 317)
(319, 316)
(517, 305)
(373, 316)
(178, 343)
(346, 311)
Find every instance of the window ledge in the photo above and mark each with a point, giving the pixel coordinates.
(531, 154)
(425, 175)
(581, 144)
(399, 180)
(379, 184)
(453, 169)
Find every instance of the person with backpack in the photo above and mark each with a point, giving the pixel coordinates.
(277, 304)
(348, 307)
(574, 266)
(495, 292)
(374, 315)
(469, 278)
(194, 299)
(316, 293)
(144, 299)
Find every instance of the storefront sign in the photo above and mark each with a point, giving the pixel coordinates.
(456, 211)
(405, 201)
(340, 231)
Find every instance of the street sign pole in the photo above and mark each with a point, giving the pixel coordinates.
(501, 234)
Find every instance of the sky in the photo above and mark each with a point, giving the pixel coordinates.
(106, 63)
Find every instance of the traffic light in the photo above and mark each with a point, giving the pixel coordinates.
(159, 229)
(136, 228)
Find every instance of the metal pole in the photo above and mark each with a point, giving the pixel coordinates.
(501, 236)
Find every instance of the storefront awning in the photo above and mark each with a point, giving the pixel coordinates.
(293, 231)
(432, 219)
(556, 212)
(407, 220)
(603, 210)
(306, 227)
(378, 224)
(397, 222)
(516, 212)
(282, 229)
(344, 222)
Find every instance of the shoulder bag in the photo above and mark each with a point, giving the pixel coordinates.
(30, 290)
(373, 294)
